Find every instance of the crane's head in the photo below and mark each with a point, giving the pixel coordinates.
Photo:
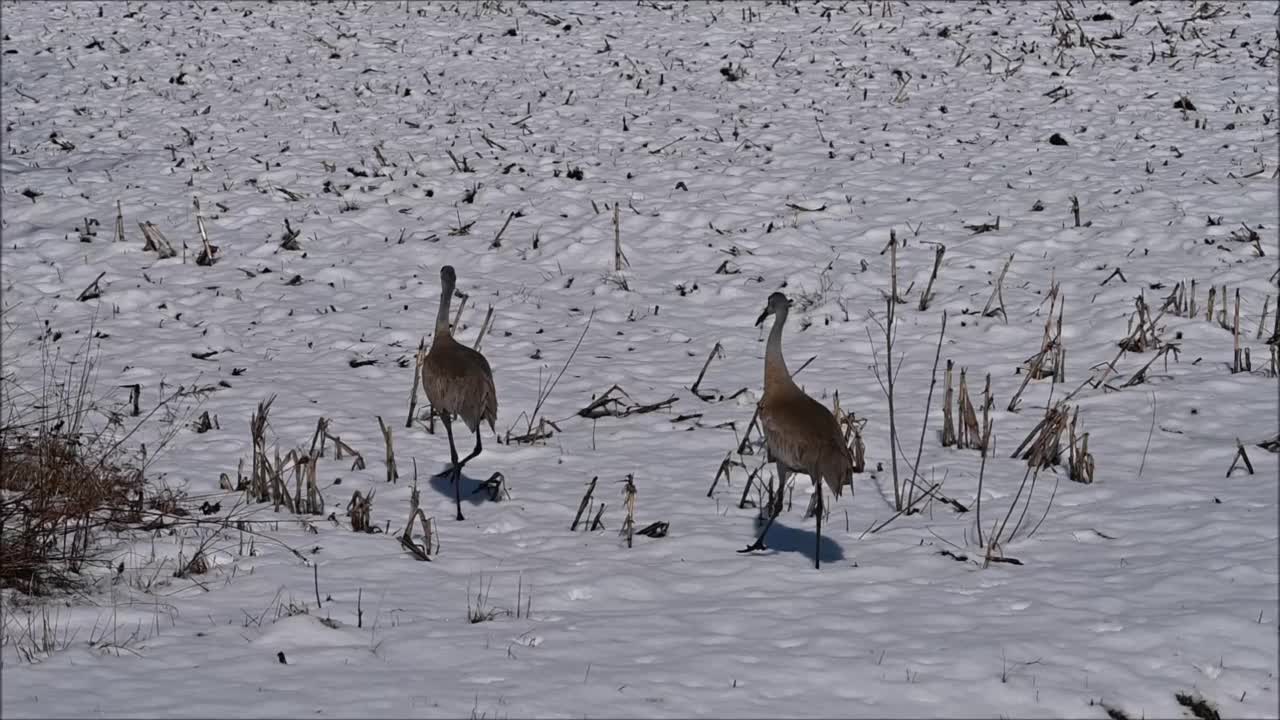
(778, 303)
(447, 276)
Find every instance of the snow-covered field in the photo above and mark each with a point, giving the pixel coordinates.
(749, 148)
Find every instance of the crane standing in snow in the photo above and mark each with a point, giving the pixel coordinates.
(458, 382)
(799, 432)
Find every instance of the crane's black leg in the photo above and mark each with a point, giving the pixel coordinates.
(475, 452)
(457, 466)
(774, 511)
(817, 550)
(783, 477)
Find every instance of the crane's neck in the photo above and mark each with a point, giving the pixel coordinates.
(775, 367)
(442, 317)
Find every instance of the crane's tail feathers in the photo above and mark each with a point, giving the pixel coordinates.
(836, 485)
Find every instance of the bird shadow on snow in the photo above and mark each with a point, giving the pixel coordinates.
(474, 492)
(782, 538)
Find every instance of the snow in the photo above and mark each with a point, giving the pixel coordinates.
(1159, 578)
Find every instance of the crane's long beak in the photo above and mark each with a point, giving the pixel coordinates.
(763, 315)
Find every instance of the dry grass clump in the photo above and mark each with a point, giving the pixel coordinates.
(56, 490)
(61, 480)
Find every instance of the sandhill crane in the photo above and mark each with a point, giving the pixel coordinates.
(800, 434)
(458, 382)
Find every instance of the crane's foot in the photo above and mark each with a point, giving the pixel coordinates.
(757, 545)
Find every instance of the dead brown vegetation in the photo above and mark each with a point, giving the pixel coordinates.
(66, 473)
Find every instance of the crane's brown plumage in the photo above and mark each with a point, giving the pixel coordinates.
(458, 382)
(800, 433)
